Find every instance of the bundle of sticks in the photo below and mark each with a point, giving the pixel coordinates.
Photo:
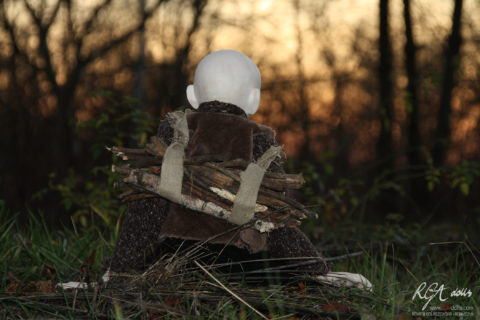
(210, 186)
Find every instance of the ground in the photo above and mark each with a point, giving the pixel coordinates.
(402, 262)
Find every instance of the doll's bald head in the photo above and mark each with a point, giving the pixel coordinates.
(226, 76)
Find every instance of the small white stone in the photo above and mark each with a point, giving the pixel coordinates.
(264, 226)
(74, 285)
(346, 279)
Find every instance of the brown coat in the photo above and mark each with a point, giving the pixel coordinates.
(220, 131)
(217, 137)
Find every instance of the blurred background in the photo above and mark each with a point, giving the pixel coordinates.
(377, 102)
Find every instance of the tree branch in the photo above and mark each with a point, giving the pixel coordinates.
(33, 14)
(13, 39)
(90, 21)
(119, 40)
(43, 50)
(54, 14)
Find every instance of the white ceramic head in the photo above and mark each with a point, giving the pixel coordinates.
(226, 76)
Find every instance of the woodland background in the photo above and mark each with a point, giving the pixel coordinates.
(376, 102)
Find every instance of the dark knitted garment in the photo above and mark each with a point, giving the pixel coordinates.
(139, 232)
(138, 236)
(292, 242)
(221, 107)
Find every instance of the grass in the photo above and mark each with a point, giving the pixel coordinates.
(27, 251)
(398, 265)
(395, 259)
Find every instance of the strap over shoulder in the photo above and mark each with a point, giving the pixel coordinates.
(238, 191)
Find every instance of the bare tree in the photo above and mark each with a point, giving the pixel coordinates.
(82, 56)
(384, 143)
(48, 58)
(452, 62)
(414, 138)
(140, 65)
(183, 53)
(169, 78)
(303, 101)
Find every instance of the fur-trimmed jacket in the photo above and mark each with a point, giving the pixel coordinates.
(218, 132)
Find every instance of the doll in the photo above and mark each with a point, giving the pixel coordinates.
(225, 93)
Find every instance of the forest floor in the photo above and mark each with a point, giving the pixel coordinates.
(416, 273)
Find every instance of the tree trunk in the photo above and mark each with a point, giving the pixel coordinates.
(182, 57)
(341, 135)
(418, 190)
(139, 93)
(65, 129)
(414, 139)
(452, 62)
(304, 110)
(384, 143)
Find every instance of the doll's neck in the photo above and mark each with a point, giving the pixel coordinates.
(221, 107)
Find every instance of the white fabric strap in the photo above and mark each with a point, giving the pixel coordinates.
(171, 175)
(250, 180)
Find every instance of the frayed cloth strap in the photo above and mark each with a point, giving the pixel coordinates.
(244, 204)
(171, 176)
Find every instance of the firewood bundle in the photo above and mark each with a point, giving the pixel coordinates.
(210, 187)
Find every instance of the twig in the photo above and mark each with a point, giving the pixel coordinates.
(303, 263)
(457, 242)
(229, 291)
